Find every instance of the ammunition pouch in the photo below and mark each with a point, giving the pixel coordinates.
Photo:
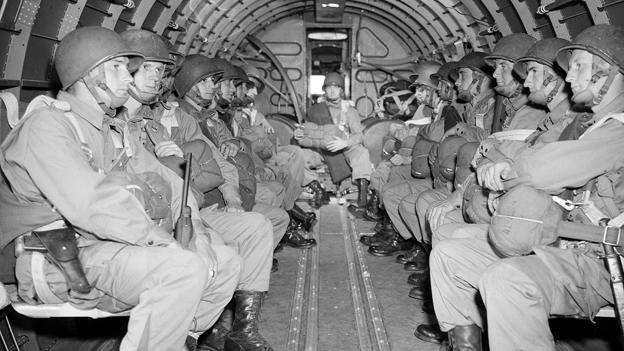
(61, 248)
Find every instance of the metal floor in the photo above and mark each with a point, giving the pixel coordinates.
(338, 297)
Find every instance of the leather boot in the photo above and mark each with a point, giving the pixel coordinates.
(427, 306)
(214, 338)
(396, 244)
(294, 237)
(418, 262)
(430, 333)
(376, 239)
(465, 338)
(307, 219)
(244, 335)
(359, 208)
(320, 197)
(373, 213)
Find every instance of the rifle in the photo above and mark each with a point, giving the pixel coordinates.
(498, 120)
(614, 266)
(184, 227)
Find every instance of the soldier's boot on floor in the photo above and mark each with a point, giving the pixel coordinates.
(307, 219)
(359, 208)
(294, 237)
(430, 333)
(465, 338)
(245, 335)
(214, 338)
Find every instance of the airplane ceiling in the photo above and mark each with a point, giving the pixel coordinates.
(30, 29)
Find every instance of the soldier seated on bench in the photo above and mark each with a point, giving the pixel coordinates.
(345, 142)
(516, 265)
(111, 255)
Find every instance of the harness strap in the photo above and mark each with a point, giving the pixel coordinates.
(44, 293)
(12, 107)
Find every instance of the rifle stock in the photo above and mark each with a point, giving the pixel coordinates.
(184, 227)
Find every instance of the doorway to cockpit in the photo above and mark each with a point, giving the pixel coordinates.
(329, 50)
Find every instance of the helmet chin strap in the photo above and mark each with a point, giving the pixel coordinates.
(509, 91)
(555, 90)
(137, 94)
(613, 71)
(92, 83)
(587, 97)
(196, 98)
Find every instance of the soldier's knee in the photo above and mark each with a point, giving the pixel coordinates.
(406, 206)
(396, 192)
(443, 253)
(188, 265)
(503, 274)
(260, 225)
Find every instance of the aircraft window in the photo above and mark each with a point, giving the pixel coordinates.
(316, 84)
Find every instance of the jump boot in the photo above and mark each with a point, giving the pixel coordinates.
(214, 338)
(464, 338)
(417, 259)
(294, 237)
(307, 219)
(430, 333)
(392, 246)
(358, 209)
(320, 197)
(383, 232)
(244, 335)
(373, 213)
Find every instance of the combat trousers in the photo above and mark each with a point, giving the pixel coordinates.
(172, 292)
(270, 193)
(290, 160)
(251, 234)
(423, 201)
(359, 160)
(395, 193)
(455, 227)
(519, 293)
(278, 217)
(387, 173)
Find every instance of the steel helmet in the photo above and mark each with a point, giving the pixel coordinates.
(150, 45)
(603, 40)
(229, 72)
(243, 78)
(174, 54)
(193, 69)
(253, 72)
(422, 74)
(544, 52)
(511, 48)
(334, 78)
(84, 49)
(476, 62)
(445, 72)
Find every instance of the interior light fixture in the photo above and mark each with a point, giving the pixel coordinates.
(327, 35)
(330, 4)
